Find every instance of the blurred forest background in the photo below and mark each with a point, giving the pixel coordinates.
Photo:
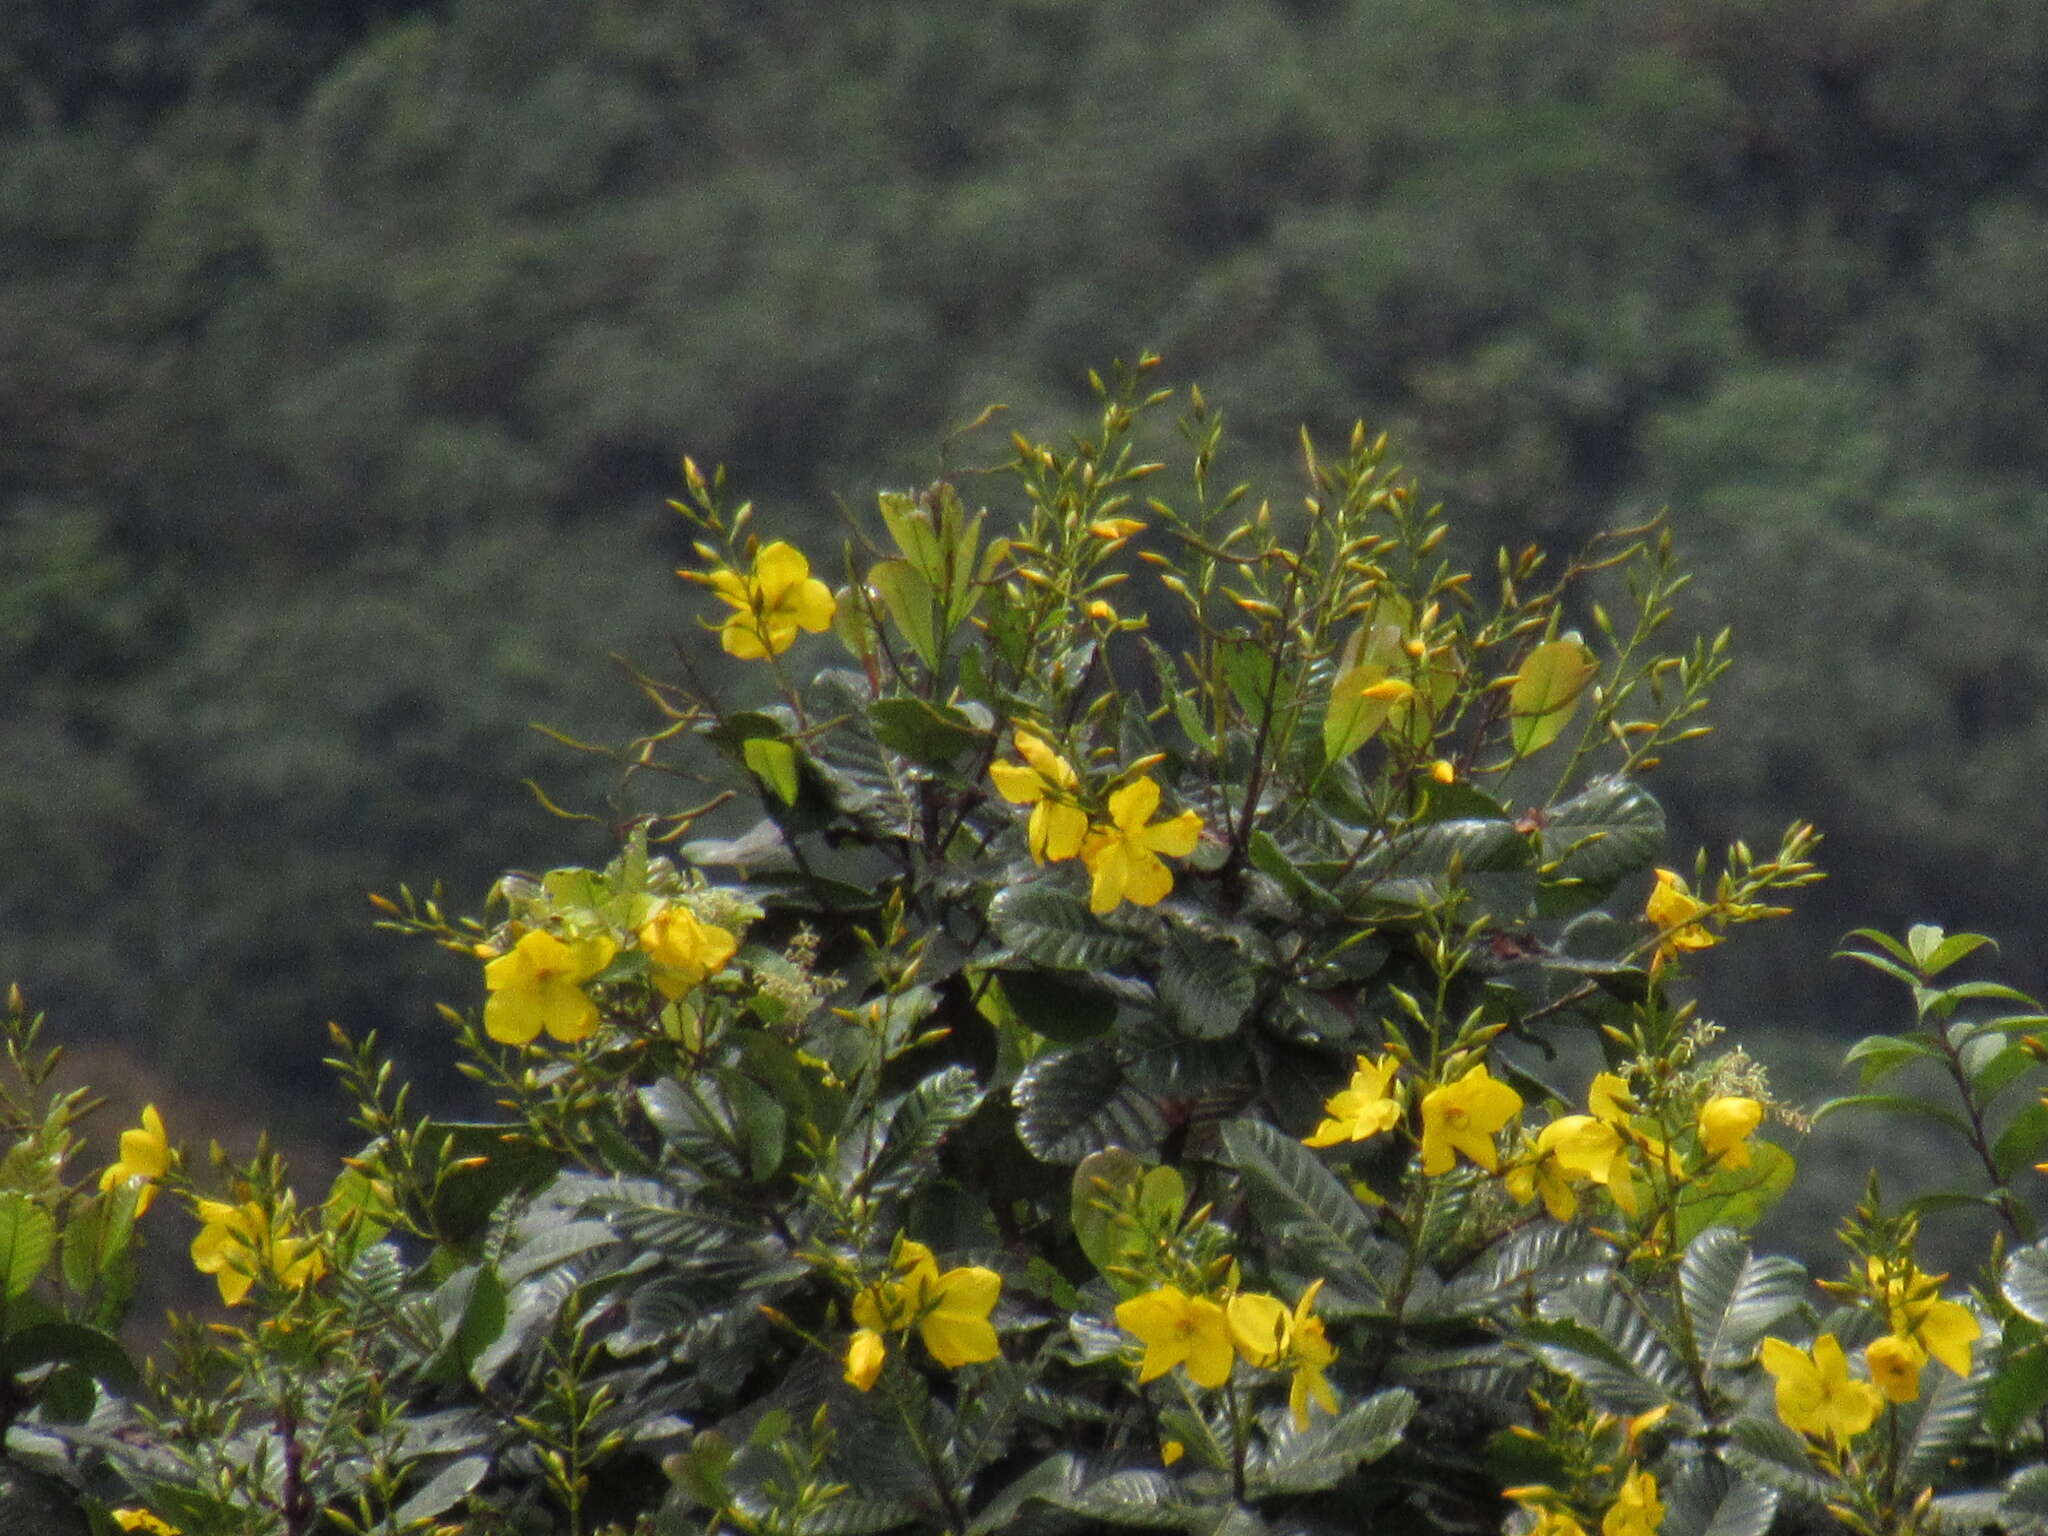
(348, 349)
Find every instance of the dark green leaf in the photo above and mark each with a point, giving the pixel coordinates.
(96, 1353)
(1876, 1056)
(1706, 1499)
(2024, 1282)
(1302, 1198)
(1067, 1009)
(933, 734)
(1205, 985)
(2023, 1141)
(1949, 1415)
(1732, 1296)
(1611, 829)
(1765, 1450)
(922, 1119)
(444, 1490)
(1331, 1446)
(1052, 928)
(2018, 1391)
(1077, 1101)
(1897, 1102)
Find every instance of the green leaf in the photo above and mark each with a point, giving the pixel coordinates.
(1707, 1499)
(1611, 829)
(1732, 1296)
(911, 527)
(1736, 1197)
(2017, 1392)
(1765, 1450)
(444, 1490)
(908, 596)
(1205, 985)
(1898, 1103)
(1351, 719)
(1248, 669)
(773, 762)
(1934, 952)
(1877, 1056)
(1074, 1102)
(1330, 1447)
(552, 1245)
(1061, 1008)
(1547, 691)
(1949, 1416)
(2024, 1507)
(922, 1120)
(931, 734)
(471, 1307)
(28, 1236)
(1269, 859)
(1104, 1189)
(2024, 1282)
(1994, 1068)
(1602, 1337)
(2023, 1141)
(1303, 1199)
(1052, 928)
(97, 1353)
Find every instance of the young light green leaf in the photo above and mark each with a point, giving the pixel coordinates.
(773, 761)
(1547, 691)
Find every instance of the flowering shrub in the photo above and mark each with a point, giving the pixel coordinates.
(1112, 1068)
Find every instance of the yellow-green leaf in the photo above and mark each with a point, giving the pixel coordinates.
(1548, 690)
(1354, 715)
(774, 762)
(908, 596)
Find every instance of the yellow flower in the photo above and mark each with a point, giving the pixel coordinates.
(1593, 1148)
(950, 1311)
(539, 985)
(1171, 1451)
(1725, 1123)
(771, 605)
(1178, 1329)
(683, 952)
(1363, 1110)
(1540, 1174)
(1046, 782)
(1462, 1117)
(1556, 1522)
(143, 1520)
(237, 1244)
(145, 1155)
(1311, 1352)
(1895, 1366)
(1678, 917)
(1259, 1327)
(865, 1353)
(1815, 1393)
(1912, 1301)
(1636, 1511)
(1123, 855)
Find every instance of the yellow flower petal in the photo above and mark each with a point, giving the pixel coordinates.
(865, 1353)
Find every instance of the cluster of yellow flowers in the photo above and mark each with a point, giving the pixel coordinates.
(779, 598)
(1123, 853)
(949, 1311)
(1817, 1396)
(238, 1244)
(1463, 1116)
(539, 983)
(1637, 1509)
(1206, 1337)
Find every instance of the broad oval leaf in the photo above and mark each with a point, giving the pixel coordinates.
(1054, 929)
(1074, 1102)
(1547, 692)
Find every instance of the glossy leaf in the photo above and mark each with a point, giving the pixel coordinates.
(1053, 928)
